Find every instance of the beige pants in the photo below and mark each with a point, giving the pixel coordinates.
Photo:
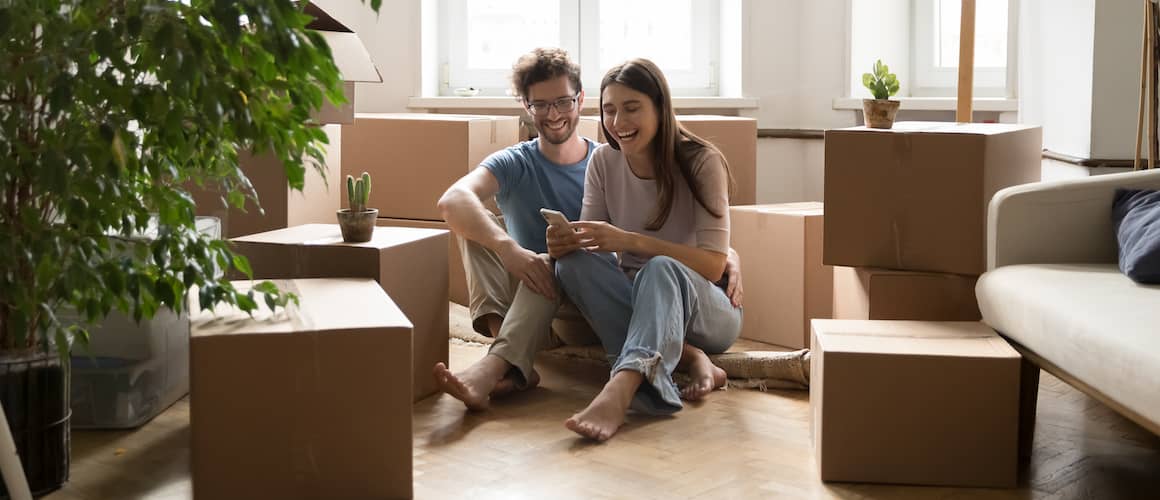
(531, 322)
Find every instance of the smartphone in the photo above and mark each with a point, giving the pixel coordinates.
(555, 218)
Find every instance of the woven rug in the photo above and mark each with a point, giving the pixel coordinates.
(750, 365)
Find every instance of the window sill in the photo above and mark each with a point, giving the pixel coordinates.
(992, 104)
(449, 102)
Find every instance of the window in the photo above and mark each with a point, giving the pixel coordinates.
(480, 39)
(936, 46)
(919, 40)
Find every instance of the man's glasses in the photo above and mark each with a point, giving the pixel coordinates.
(562, 105)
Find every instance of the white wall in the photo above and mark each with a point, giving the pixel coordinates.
(1116, 72)
(1055, 71)
(794, 61)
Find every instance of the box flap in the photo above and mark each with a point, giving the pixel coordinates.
(351, 56)
(323, 21)
(325, 304)
(920, 338)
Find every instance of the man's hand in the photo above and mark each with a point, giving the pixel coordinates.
(604, 237)
(561, 241)
(733, 287)
(534, 270)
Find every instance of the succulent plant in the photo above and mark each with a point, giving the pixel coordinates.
(882, 83)
(358, 191)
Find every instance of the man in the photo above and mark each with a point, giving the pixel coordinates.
(514, 296)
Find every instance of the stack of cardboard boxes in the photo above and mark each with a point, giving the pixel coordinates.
(413, 158)
(319, 198)
(906, 218)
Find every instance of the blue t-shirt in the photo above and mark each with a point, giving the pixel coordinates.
(528, 181)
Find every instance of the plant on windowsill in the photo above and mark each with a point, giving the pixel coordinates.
(109, 110)
(879, 112)
(357, 222)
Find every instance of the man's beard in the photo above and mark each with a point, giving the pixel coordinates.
(559, 137)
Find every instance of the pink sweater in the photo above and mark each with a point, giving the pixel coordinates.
(612, 193)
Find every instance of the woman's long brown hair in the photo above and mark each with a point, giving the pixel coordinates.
(674, 147)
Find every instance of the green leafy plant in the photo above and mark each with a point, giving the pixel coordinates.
(358, 191)
(109, 111)
(882, 83)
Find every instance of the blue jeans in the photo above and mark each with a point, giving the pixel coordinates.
(644, 323)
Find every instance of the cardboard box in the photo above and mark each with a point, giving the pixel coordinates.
(914, 402)
(457, 276)
(736, 137)
(589, 127)
(413, 158)
(283, 207)
(915, 197)
(410, 264)
(308, 402)
(871, 293)
(784, 280)
(350, 56)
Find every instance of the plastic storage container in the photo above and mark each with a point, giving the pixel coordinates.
(132, 372)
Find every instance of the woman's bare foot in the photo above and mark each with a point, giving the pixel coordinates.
(474, 385)
(605, 414)
(703, 374)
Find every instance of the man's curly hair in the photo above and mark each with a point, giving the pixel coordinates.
(540, 65)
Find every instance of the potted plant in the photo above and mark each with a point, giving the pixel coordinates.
(880, 111)
(357, 222)
(108, 112)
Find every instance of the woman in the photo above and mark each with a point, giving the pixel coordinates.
(658, 196)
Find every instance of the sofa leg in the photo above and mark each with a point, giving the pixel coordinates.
(1028, 396)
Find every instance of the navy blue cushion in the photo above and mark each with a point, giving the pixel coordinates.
(1136, 215)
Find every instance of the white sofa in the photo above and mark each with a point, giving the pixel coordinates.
(1053, 288)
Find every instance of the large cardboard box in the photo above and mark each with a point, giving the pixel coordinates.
(915, 402)
(915, 197)
(457, 276)
(871, 293)
(307, 402)
(280, 206)
(413, 158)
(736, 137)
(784, 280)
(409, 263)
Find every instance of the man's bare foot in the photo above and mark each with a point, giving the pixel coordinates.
(605, 414)
(474, 385)
(703, 374)
(508, 384)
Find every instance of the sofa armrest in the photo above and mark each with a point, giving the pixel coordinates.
(1058, 222)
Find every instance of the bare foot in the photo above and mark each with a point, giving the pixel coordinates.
(507, 384)
(474, 385)
(605, 414)
(703, 374)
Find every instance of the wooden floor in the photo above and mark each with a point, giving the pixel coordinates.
(739, 444)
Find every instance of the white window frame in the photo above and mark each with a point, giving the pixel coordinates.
(579, 35)
(929, 80)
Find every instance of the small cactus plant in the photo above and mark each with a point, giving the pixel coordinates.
(882, 83)
(358, 191)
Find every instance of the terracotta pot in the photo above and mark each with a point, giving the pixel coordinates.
(879, 113)
(357, 227)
